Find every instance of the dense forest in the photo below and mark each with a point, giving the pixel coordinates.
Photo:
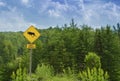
(62, 49)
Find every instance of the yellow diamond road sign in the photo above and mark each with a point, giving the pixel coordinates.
(31, 34)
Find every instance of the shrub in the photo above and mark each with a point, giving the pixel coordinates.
(94, 74)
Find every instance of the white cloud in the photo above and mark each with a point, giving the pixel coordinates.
(57, 9)
(98, 13)
(92, 12)
(54, 13)
(43, 5)
(12, 20)
(53, 9)
(111, 10)
(2, 4)
(25, 1)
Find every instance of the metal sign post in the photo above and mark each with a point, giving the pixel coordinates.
(31, 34)
(30, 65)
(31, 47)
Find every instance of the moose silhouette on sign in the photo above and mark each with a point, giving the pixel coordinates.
(31, 33)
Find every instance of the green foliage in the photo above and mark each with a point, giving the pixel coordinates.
(107, 46)
(63, 47)
(92, 60)
(93, 71)
(57, 78)
(44, 72)
(20, 75)
(94, 74)
(6, 71)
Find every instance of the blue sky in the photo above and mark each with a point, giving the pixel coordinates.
(18, 15)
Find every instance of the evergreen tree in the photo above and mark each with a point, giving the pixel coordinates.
(93, 71)
(107, 46)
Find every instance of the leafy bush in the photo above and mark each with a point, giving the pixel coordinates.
(20, 75)
(93, 75)
(93, 71)
(92, 60)
(44, 72)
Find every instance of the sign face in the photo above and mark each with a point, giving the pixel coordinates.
(31, 46)
(31, 34)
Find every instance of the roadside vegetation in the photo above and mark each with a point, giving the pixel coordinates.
(67, 53)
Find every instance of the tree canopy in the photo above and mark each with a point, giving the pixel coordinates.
(63, 47)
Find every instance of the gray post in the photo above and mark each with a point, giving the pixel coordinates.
(30, 65)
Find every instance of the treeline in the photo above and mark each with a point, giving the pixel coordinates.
(62, 47)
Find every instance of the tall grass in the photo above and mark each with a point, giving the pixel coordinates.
(46, 73)
(43, 73)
